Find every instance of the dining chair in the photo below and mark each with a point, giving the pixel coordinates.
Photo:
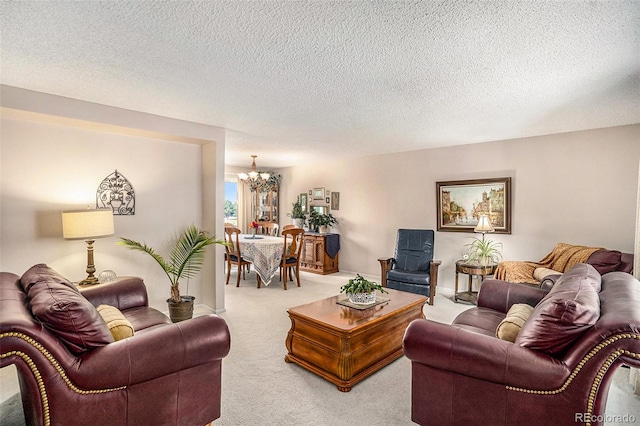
(233, 254)
(268, 228)
(291, 254)
(284, 228)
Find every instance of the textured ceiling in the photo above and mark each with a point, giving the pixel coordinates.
(299, 81)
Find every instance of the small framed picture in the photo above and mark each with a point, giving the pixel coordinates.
(318, 193)
(327, 193)
(335, 200)
(310, 192)
(303, 202)
(326, 200)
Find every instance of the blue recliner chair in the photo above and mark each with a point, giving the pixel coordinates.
(412, 268)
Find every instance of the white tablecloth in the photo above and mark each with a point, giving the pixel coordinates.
(264, 252)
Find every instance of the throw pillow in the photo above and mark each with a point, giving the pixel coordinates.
(567, 311)
(510, 326)
(60, 307)
(605, 261)
(42, 272)
(119, 326)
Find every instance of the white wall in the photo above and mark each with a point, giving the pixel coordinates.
(51, 163)
(578, 188)
(48, 168)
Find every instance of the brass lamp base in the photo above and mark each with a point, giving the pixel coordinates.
(91, 268)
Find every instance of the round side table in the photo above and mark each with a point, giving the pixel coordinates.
(471, 268)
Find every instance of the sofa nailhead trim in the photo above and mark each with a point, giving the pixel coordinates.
(38, 376)
(601, 372)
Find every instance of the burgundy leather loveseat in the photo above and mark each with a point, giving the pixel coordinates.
(557, 371)
(71, 371)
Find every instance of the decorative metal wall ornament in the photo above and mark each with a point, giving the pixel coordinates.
(116, 192)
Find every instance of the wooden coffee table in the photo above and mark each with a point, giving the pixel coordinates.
(345, 345)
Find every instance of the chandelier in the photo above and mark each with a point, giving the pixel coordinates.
(254, 178)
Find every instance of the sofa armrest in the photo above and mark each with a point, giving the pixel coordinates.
(155, 353)
(123, 293)
(457, 350)
(500, 295)
(549, 281)
(386, 263)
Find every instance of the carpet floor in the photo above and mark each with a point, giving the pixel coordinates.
(260, 388)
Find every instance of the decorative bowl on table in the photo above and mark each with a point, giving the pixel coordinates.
(362, 298)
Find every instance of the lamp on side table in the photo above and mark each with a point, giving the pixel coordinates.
(87, 225)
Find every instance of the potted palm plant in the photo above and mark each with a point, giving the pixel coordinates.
(185, 261)
(361, 291)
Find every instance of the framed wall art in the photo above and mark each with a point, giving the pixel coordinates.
(318, 193)
(303, 202)
(335, 200)
(460, 204)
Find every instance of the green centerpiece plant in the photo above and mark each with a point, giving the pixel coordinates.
(361, 290)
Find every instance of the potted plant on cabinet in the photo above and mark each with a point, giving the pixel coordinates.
(185, 261)
(361, 291)
(297, 214)
(320, 221)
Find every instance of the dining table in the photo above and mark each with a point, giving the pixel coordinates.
(265, 252)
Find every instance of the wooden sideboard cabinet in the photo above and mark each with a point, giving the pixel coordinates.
(314, 254)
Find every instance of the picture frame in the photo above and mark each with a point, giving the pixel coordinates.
(335, 200)
(318, 193)
(461, 203)
(327, 193)
(327, 200)
(303, 202)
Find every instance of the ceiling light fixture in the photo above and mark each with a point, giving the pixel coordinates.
(254, 178)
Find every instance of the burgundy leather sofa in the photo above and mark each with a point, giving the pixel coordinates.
(462, 374)
(72, 372)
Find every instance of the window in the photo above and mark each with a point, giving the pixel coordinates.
(231, 202)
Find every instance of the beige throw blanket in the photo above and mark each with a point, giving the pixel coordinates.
(562, 257)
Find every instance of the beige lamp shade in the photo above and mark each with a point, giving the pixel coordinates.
(87, 224)
(484, 225)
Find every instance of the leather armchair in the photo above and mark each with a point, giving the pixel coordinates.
(412, 268)
(462, 374)
(164, 374)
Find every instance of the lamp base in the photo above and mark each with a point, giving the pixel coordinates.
(91, 280)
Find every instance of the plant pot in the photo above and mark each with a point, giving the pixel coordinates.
(362, 298)
(182, 310)
(298, 222)
(322, 229)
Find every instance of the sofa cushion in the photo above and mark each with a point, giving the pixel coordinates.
(42, 272)
(60, 307)
(119, 326)
(510, 326)
(605, 261)
(567, 311)
(411, 277)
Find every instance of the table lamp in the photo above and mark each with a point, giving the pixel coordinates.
(484, 226)
(87, 225)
